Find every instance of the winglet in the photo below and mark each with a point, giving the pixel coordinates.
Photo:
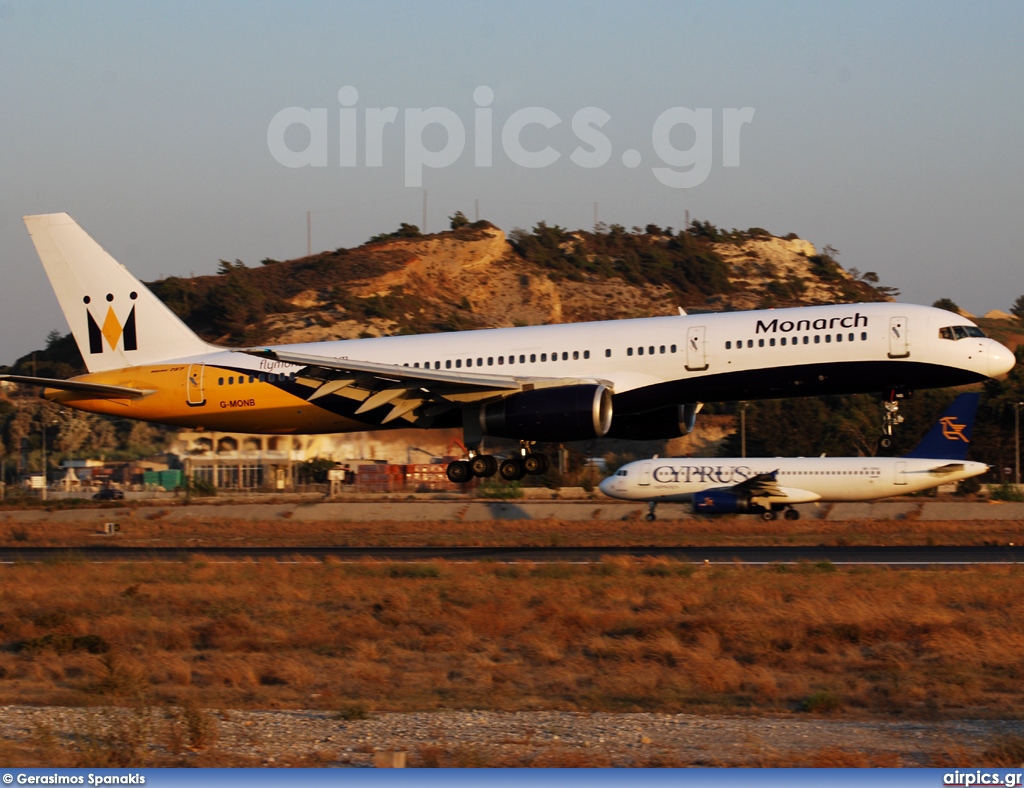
(950, 437)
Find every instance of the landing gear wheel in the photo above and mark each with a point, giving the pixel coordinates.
(483, 465)
(459, 472)
(536, 464)
(769, 515)
(651, 516)
(512, 470)
(792, 514)
(885, 443)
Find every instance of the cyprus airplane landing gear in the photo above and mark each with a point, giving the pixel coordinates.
(512, 469)
(651, 516)
(892, 416)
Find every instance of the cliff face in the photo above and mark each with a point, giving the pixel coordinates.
(476, 277)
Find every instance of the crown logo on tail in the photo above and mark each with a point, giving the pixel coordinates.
(112, 330)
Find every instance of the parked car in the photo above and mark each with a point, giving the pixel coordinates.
(109, 495)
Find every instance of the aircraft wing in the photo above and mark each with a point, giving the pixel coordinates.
(416, 394)
(81, 387)
(764, 484)
(764, 488)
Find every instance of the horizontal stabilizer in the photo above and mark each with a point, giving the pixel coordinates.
(81, 387)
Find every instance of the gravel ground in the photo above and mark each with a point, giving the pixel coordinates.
(477, 737)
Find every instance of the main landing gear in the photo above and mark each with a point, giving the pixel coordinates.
(651, 516)
(892, 416)
(772, 514)
(512, 469)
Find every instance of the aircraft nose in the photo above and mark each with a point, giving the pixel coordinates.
(1000, 359)
(606, 486)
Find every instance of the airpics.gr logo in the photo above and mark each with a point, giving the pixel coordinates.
(952, 430)
(112, 329)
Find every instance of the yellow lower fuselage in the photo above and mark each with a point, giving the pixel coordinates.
(247, 404)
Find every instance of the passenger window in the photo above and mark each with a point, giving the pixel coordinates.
(750, 343)
(231, 380)
(272, 377)
(807, 340)
(607, 352)
(839, 337)
(640, 351)
(651, 350)
(544, 356)
(863, 336)
(490, 361)
(575, 355)
(522, 358)
(728, 345)
(220, 381)
(479, 362)
(565, 355)
(672, 349)
(817, 339)
(533, 358)
(782, 341)
(416, 364)
(629, 351)
(850, 337)
(661, 349)
(501, 361)
(437, 365)
(760, 343)
(448, 364)
(263, 378)
(828, 338)
(586, 354)
(772, 341)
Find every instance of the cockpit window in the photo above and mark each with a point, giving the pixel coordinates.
(960, 332)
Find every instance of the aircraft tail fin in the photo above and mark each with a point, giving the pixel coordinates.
(116, 321)
(950, 437)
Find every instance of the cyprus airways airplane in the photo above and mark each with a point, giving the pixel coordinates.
(624, 378)
(769, 485)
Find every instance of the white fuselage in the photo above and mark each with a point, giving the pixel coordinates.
(804, 479)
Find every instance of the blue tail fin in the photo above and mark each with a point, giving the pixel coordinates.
(950, 437)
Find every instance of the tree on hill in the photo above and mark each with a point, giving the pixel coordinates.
(948, 305)
(1018, 309)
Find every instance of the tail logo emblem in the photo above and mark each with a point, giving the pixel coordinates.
(112, 329)
(952, 430)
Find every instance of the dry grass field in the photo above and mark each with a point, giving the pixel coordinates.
(151, 526)
(181, 641)
(621, 635)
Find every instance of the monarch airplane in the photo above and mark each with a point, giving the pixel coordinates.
(768, 486)
(639, 378)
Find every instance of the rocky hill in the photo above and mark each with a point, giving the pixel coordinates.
(475, 276)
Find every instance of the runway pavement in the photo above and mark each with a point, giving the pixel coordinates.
(919, 556)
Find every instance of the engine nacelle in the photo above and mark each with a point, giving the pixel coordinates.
(672, 421)
(562, 413)
(723, 502)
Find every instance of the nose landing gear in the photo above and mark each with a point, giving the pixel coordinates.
(892, 416)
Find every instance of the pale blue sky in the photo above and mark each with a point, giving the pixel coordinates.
(890, 130)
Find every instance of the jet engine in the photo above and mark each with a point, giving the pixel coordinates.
(723, 502)
(672, 421)
(563, 413)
